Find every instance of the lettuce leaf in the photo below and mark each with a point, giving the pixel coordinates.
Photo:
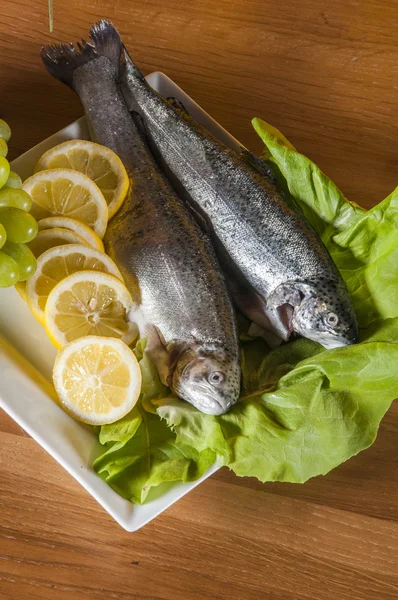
(367, 256)
(324, 410)
(303, 410)
(143, 454)
(141, 451)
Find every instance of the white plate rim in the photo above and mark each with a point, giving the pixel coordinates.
(16, 386)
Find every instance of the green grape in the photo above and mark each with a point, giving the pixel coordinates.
(9, 272)
(3, 148)
(5, 131)
(4, 170)
(16, 198)
(3, 236)
(20, 226)
(23, 257)
(13, 181)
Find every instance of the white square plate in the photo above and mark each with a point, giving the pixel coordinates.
(27, 402)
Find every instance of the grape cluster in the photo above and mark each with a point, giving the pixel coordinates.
(17, 226)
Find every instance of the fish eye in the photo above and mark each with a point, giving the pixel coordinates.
(332, 319)
(216, 378)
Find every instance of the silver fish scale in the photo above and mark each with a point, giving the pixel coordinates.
(167, 262)
(181, 288)
(270, 243)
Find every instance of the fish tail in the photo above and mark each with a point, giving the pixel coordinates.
(107, 41)
(62, 60)
(130, 68)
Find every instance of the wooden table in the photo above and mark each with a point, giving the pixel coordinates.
(326, 74)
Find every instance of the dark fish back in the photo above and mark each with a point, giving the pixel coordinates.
(268, 240)
(166, 260)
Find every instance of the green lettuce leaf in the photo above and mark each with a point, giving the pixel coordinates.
(367, 256)
(303, 409)
(141, 451)
(143, 454)
(324, 410)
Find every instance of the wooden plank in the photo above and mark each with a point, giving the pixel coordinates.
(222, 541)
(325, 74)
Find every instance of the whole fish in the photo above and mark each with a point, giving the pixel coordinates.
(280, 273)
(169, 265)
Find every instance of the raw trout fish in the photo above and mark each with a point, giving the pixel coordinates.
(279, 272)
(168, 263)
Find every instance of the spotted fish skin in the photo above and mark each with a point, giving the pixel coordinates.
(168, 263)
(274, 260)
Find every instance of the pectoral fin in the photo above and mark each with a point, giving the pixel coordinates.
(157, 352)
(258, 164)
(254, 307)
(272, 318)
(163, 355)
(272, 339)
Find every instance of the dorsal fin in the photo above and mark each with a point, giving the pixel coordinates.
(176, 103)
(258, 164)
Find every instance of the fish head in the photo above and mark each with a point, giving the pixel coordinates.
(207, 377)
(325, 314)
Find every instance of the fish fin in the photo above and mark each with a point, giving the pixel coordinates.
(107, 41)
(143, 131)
(254, 307)
(274, 319)
(272, 339)
(62, 60)
(176, 103)
(129, 68)
(158, 353)
(148, 139)
(197, 213)
(258, 164)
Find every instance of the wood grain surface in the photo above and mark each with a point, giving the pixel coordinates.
(326, 74)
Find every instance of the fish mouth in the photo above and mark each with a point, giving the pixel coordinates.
(331, 344)
(205, 401)
(215, 409)
(330, 341)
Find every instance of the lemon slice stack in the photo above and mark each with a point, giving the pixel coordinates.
(78, 227)
(56, 264)
(97, 162)
(69, 193)
(77, 292)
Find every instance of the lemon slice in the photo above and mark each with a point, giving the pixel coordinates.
(78, 227)
(98, 162)
(56, 264)
(68, 193)
(98, 380)
(49, 238)
(89, 303)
